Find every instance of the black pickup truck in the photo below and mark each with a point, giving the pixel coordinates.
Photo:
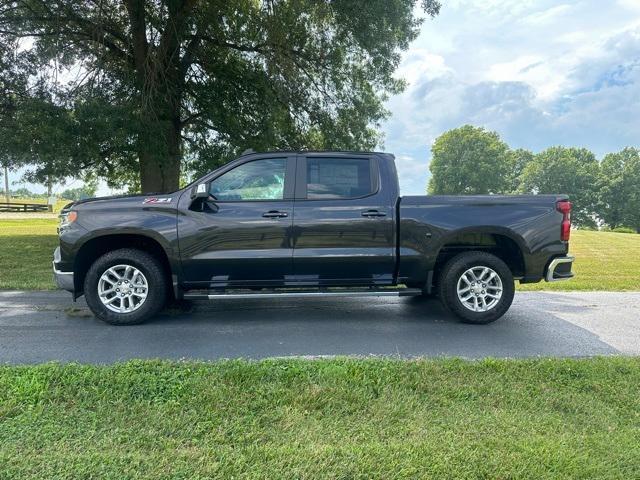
(308, 224)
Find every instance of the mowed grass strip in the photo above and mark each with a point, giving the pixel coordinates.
(341, 418)
(604, 260)
(26, 252)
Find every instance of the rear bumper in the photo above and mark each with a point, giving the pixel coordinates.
(559, 269)
(64, 280)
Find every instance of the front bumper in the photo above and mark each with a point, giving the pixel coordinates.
(559, 269)
(64, 280)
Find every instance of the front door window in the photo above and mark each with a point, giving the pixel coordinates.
(257, 180)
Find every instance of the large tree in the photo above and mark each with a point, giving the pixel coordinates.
(573, 171)
(470, 160)
(619, 187)
(137, 86)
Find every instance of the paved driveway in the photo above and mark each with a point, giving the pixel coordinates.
(46, 326)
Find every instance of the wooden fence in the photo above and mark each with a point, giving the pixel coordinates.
(25, 207)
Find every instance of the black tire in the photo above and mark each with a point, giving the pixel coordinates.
(453, 271)
(150, 267)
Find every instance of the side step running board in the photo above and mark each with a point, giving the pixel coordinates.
(403, 292)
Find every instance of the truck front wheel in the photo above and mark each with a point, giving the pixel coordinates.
(125, 287)
(477, 287)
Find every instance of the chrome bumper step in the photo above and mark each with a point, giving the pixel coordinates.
(560, 269)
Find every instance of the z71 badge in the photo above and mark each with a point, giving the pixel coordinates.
(157, 200)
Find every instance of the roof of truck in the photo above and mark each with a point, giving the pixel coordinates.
(250, 151)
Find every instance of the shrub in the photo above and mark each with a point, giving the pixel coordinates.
(624, 230)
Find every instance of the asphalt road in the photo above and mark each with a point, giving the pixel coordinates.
(47, 326)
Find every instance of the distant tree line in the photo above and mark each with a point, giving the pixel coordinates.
(471, 160)
(87, 190)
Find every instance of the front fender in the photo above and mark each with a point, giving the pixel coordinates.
(100, 230)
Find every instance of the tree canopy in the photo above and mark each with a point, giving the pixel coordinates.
(520, 158)
(135, 89)
(470, 160)
(566, 170)
(619, 189)
(15, 70)
(87, 190)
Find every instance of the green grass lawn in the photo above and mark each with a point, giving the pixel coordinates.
(323, 419)
(604, 260)
(26, 252)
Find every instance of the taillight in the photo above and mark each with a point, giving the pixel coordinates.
(564, 207)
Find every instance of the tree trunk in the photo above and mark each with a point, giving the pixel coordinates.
(159, 176)
(6, 183)
(160, 157)
(160, 73)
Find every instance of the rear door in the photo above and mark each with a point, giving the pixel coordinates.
(343, 229)
(242, 236)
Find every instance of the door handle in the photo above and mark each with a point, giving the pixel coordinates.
(275, 214)
(373, 213)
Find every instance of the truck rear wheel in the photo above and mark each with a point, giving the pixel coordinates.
(125, 287)
(477, 287)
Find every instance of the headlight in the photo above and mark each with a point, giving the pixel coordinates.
(66, 219)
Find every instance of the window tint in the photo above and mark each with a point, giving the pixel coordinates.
(257, 180)
(338, 178)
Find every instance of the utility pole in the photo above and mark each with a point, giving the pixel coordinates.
(49, 193)
(6, 183)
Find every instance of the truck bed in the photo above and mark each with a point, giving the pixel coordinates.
(433, 225)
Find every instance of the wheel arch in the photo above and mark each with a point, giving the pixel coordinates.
(501, 242)
(97, 246)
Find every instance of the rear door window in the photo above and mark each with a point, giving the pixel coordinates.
(338, 178)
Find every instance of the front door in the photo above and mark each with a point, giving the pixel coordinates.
(344, 223)
(242, 236)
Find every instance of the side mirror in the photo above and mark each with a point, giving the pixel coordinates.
(201, 190)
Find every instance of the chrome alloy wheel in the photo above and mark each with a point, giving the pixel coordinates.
(479, 289)
(123, 288)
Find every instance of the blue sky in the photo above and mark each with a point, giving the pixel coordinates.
(540, 73)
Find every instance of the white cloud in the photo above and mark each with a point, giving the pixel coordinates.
(630, 4)
(539, 73)
(420, 64)
(547, 16)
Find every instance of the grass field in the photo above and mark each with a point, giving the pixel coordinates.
(604, 260)
(323, 419)
(26, 252)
